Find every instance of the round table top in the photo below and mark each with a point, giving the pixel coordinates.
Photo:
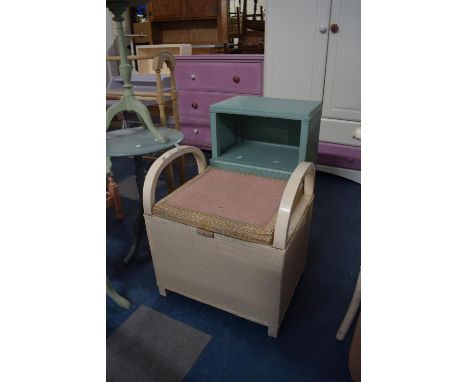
(139, 141)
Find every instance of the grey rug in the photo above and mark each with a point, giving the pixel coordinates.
(150, 346)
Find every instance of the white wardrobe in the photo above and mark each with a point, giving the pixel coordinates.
(313, 52)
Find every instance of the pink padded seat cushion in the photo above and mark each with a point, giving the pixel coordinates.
(230, 203)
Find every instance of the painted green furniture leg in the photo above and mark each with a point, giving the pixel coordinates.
(128, 102)
(117, 298)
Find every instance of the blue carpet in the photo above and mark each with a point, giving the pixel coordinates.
(240, 350)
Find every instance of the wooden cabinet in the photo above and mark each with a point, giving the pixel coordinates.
(197, 8)
(144, 29)
(188, 22)
(164, 9)
(179, 9)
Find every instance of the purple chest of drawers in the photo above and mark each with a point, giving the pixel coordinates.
(209, 78)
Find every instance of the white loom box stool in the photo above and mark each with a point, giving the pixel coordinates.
(254, 280)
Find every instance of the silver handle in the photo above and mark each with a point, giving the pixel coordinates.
(195, 131)
(193, 76)
(323, 28)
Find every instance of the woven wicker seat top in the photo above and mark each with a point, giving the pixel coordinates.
(233, 204)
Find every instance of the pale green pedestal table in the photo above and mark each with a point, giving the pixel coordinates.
(137, 141)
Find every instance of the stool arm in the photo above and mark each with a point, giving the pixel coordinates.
(158, 166)
(288, 218)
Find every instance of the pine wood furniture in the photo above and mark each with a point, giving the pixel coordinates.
(206, 79)
(145, 30)
(236, 235)
(189, 21)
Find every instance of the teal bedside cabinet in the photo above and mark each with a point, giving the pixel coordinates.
(264, 136)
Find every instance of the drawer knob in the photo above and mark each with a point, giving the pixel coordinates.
(193, 76)
(195, 131)
(194, 105)
(334, 28)
(236, 79)
(357, 133)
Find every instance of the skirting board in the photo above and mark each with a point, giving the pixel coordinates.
(353, 175)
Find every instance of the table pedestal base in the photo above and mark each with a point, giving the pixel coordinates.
(114, 296)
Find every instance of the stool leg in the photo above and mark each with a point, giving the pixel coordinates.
(273, 331)
(162, 291)
(351, 312)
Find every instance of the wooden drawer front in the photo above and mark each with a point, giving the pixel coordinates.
(229, 77)
(197, 104)
(196, 131)
(342, 156)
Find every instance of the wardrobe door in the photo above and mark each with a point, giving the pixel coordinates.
(296, 41)
(342, 93)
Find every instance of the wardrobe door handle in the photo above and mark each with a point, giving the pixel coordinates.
(334, 28)
(323, 29)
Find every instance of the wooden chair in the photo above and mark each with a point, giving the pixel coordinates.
(252, 36)
(113, 197)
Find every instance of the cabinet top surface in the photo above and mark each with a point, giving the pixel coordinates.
(222, 57)
(267, 107)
